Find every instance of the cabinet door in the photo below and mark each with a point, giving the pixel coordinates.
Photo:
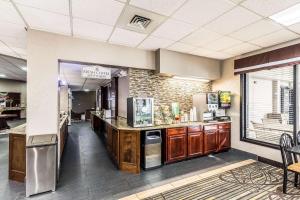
(195, 144)
(108, 138)
(115, 145)
(129, 149)
(223, 139)
(210, 141)
(176, 146)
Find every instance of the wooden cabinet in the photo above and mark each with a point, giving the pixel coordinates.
(63, 135)
(176, 144)
(115, 145)
(129, 150)
(17, 157)
(224, 137)
(195, 141)
(109, 138)
(210, 138)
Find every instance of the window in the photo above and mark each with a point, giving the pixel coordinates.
(268, 105)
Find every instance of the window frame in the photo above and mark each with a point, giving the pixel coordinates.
(243, 110)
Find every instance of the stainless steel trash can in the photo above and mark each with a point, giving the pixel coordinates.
(152, 149)
(41, 164)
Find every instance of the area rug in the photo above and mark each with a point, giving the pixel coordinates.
(254, 180)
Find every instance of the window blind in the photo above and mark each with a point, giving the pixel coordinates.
(269, 104)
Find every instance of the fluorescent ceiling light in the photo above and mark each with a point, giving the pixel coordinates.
(2, 75)
(190, 78)
(86, 90)
(24, 68)
(288, 16)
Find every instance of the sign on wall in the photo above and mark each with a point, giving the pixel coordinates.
(96, 72)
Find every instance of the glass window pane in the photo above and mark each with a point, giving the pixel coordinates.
(270, 110)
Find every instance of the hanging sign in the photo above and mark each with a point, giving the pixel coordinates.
(96, 72)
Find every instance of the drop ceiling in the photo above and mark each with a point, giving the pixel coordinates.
(218, 29)
(71, 74)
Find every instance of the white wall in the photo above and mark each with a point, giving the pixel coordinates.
(64, 98)
(232, 83)
(123, 94)
(45, 50)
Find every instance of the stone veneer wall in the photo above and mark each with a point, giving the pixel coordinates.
(164, 90)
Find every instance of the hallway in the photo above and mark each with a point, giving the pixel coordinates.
(87, 172)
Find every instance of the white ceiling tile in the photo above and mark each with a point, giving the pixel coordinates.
(58, 6)
(256, 30)
(126, 37)
(268, 7)
(12, 30)
(201, 37)
(219, 55)
(154, 43)
(201, 12)
(173, 29)
(222, 43)
(91, 30)
(13, 41)
(237, 1)
(232, 21)
(275, 38)
(295, 27)
(166, 7)
(201, 51)
(182, 47)
(9, 14)
(241, 49)
(6, 50)
(102, 11)
(20, 51)
(46, 21)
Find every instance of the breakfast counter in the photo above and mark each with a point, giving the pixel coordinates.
(121, 124)
(180, 141)
(17, 148)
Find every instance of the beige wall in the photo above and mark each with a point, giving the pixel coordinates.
(181, 64)
(230, 82)
(45, 49)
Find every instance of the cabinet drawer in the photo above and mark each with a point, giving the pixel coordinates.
(210, 127)
(192, 129)
(224, 126)
(176, 131)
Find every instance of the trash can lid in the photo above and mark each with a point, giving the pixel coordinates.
(41, 140)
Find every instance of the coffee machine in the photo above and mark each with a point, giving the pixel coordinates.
(210, 107)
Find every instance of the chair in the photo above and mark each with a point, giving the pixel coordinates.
(290, 162)
(298, 138)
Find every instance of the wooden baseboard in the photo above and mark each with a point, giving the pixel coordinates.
(270, 162)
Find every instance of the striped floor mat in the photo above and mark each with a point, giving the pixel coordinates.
(252, 181)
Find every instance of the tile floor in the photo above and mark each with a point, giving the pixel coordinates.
(87, 172)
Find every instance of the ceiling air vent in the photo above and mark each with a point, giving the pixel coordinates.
(139, 22)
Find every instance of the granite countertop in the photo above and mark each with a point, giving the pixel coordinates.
(121, 124)
(62, 120)
(21, 129)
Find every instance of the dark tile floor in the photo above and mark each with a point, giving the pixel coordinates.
(87, 172)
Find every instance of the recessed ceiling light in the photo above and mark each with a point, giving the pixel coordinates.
(24, 69)
(288, 16)
(190, 78)
(2, 75)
